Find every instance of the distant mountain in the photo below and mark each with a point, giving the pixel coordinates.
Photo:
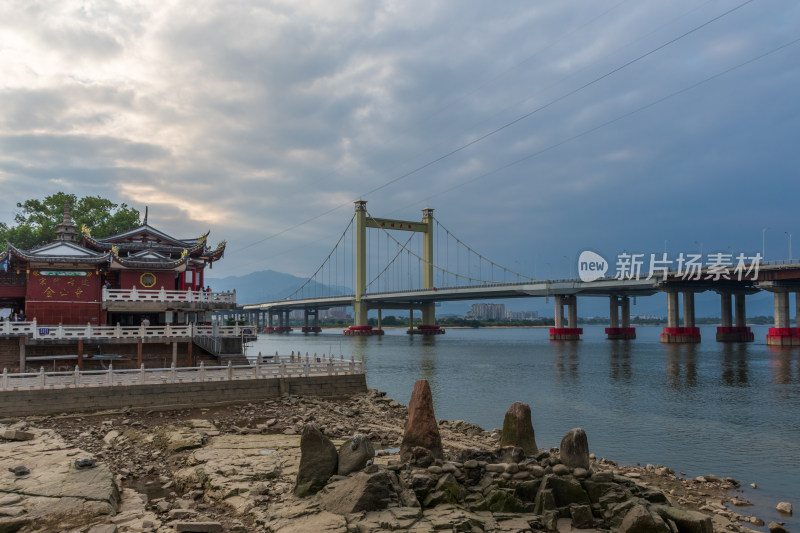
(269, 286)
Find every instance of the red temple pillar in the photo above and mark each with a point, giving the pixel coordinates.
(183, 280)
(194, 279)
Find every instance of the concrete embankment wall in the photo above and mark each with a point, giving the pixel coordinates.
(156, 353)
(173, 395)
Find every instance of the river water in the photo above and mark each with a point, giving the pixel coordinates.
(708, 408)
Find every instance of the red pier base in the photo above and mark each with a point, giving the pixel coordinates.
(311, 329)
(783, 337)
(277, 329)
(566, 334)
(734, 334)
(426, 330)
(680, 335)
(362, 331)
(622, 334)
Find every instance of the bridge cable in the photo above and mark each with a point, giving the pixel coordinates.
(325, 261)
(556, 100)
(399, 251)
(457, 275)
(469, 248)
(503, 127)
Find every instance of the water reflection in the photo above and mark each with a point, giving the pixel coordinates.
(681, 365)
(358, 345)
(565, 359)
(735, 364)
(620, 361)
(785, 364)
(427, 359)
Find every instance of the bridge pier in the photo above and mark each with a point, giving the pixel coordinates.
(674, 333)
(428, 325)
(571, 332)
(311, 329)
(727, 331)
(783, 334)
(615, 331)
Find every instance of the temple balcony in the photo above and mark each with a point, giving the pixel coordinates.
(161, 299)
(41, 332)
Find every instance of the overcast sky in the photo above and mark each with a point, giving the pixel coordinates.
(623, 125)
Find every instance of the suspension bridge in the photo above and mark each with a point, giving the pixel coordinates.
(412, 265)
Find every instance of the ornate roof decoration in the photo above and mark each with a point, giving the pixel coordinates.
(147, 259)
(59, 252)
(147, 238)
(214, 255)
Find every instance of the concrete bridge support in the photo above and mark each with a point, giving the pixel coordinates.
(674, 333)
(727, 330)
(572, 332)
(314, 328)
(783, 334)
(615, 331)
(428, 323)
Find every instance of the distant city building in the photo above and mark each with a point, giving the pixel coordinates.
(487, 312)
(338, 313)
(522, 315)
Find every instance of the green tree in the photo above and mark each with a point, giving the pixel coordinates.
(37, 220)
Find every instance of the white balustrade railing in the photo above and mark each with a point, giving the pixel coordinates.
(278, 368)
(39, 331)
(162, 295)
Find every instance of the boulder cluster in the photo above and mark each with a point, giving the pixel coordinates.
(546, 486)
(360, 464)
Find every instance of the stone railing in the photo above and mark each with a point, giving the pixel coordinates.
(278, 368)
(41, 331)
(162, 295)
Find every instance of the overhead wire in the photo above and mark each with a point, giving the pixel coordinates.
(506, 125)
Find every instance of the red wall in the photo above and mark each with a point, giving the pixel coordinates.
(130, 278)
(64, 299)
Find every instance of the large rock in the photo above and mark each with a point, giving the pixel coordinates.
(640, 520)
(518, 428)
(15, 434)
(575, 449)
(318, 460)
(565, 491)
(687, 521)
(355, 454)
(363, 491)
(421, 428)
(53, 491)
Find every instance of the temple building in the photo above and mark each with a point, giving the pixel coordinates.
(123, 279)
(133, 299)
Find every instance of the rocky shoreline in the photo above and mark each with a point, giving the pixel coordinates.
(238, 468)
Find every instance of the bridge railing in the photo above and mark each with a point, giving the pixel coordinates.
(279, 368)
(41, 331)
(162, 295)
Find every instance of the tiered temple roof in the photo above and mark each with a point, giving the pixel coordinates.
(147, 247)
(144, 247)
